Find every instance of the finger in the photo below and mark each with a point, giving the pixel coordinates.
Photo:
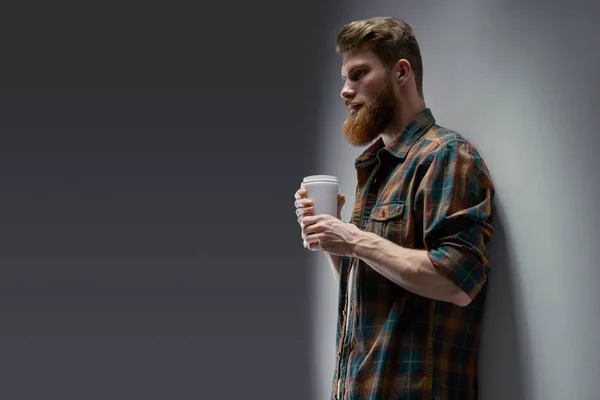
(308, 220)
(312, 230)
(305, 211)
(313, 219)
(300, 218)
(312, 233)
(305, 202)
(300, 193)
(309, 245)
(313, 246)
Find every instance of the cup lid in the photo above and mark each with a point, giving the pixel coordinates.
(320, 178)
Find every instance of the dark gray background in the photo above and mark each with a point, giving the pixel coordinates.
(149, 156)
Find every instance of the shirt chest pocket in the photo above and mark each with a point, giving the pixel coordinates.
(387, 220)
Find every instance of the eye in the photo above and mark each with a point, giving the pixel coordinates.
(357, 74)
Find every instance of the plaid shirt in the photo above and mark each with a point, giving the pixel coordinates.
(428, 189)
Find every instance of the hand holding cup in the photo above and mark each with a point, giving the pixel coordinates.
(318, 194)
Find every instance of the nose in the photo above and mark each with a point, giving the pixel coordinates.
(347, 92)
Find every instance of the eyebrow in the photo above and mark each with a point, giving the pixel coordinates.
(354, 68)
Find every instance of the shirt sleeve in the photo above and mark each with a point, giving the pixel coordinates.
(454, 203)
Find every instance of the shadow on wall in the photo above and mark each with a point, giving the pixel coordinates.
(501, 367)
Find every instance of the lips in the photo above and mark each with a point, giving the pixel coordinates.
(354, 107)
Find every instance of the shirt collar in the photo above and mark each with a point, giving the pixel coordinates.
(401, 144)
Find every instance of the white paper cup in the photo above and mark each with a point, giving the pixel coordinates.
(323, 191)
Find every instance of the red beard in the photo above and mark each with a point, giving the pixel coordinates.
(371, 118)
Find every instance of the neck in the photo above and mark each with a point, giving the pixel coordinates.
(403, 116)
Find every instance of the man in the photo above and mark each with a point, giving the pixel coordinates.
(411, 264)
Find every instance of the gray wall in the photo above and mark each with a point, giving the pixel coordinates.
(520, 79)
(148, 243)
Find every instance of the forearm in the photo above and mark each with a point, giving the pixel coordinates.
(334, 263)
(408, 268)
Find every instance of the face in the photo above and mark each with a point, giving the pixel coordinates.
(369, 96)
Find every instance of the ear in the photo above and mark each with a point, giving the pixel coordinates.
(403, 70)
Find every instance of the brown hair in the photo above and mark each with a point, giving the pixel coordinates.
(391, 39)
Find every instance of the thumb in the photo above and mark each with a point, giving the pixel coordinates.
(341, 202)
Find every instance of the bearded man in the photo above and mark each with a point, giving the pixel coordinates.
(411, 264)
